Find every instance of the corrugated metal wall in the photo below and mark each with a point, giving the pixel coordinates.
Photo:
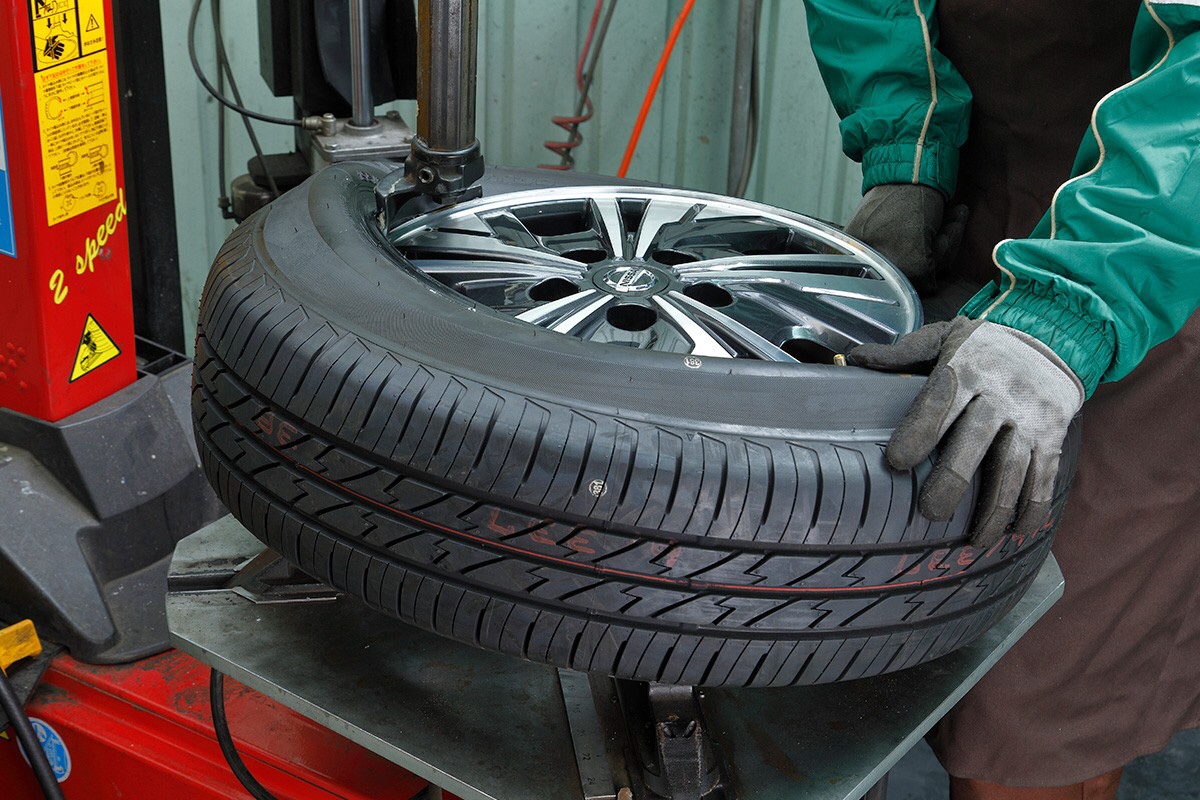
(528, 50)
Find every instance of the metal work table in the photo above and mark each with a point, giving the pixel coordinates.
(492, 727)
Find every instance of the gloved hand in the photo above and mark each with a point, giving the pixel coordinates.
(907, 222)
(994, 395)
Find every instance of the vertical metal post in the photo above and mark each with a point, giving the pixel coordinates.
(743, 70)
(362, 107)
(445, 163)
(447, 33)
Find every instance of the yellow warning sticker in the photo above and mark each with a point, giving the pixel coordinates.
(95, 348)
(77, 137)
(92, 37)
(74, 107)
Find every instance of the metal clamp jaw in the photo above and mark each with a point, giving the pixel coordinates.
(429, 180)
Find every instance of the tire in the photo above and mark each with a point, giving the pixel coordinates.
(577, 504)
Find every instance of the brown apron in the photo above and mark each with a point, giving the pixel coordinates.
(1113, 670)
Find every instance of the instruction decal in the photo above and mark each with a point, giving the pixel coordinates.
(8, 231)
(95, 349)
(71, 81)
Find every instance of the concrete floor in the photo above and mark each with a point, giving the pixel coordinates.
(1173, 774)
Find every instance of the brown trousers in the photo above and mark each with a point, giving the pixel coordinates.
(1113, 670)
(1103, 787)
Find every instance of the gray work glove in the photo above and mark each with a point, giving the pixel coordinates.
(908, 223)
(995, 395)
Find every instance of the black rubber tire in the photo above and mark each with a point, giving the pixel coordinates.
(572, 503)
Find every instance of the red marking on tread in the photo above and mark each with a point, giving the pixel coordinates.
(541, 538)
(580, 544)
(696, 585)
(636, 576)
(285, 433)
(967, 556)
(658, 548)
(280, 431)
(493, 524)
(672, 557)
(937, 561)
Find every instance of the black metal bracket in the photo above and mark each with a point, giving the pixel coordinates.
(678, 758)
(429, 180)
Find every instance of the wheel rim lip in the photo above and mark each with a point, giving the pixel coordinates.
(666, 280)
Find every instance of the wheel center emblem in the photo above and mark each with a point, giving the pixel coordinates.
(630, 279)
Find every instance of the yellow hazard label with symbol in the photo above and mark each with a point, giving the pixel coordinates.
(55, 32)
(72, 83)
(95, 349)
(92, 36)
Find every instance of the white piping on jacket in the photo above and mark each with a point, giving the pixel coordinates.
(1012, 279)
(933, 95)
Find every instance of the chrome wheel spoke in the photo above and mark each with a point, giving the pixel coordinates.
(751, 342)
(656, 215)
(612, 226)
(703, 342)
(590, 312)
(446, 268)
(549, 314)
(836, 263)
(446, 244)
(869, 290)
(826, 314)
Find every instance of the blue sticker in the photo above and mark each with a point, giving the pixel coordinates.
(56, 750)
(8, 234)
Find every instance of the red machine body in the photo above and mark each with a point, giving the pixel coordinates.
(143, 731)
(66, 311)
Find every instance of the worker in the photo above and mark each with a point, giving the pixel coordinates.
(1089, 261)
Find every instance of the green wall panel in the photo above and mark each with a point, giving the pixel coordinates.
(527, 55)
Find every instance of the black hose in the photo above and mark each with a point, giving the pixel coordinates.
(29, 741)
(223, 66)
(245, 112)
(223, 202)
(216, 699)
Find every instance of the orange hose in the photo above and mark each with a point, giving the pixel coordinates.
(650, 92)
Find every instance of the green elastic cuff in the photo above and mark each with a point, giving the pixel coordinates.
(893, 163)
(1086, 344)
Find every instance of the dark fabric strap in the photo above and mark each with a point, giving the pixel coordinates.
(1036, 71)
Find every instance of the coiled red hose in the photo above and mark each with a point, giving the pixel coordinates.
(583, 112)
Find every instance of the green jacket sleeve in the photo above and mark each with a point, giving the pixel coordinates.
(904, 107)
(1114, 266)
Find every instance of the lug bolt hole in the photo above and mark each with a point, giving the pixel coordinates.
(673, 258)
(807, 351)
(709, 294)
(630, 317)
(552, 289)
(586, 255)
